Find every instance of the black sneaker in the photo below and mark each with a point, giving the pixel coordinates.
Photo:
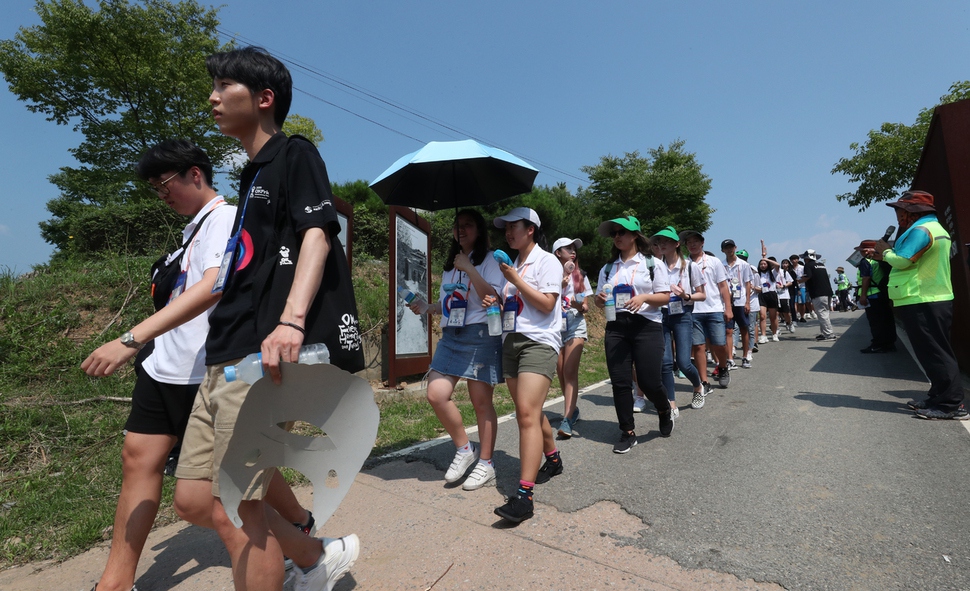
(708, 388)
(936, 414)
(626, 442)
(918, 404)
(754, 348)
(874, 349)
(548, 470)
(516, 510)
(666, 424)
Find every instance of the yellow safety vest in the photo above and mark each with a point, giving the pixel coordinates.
(927, 280)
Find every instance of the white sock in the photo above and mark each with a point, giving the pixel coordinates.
(465, 449)
(486, 462)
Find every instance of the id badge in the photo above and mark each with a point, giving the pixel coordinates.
(509, 312)
(457, 317)
(565, 321)
(736, 288)
(179, 287)
(622, 294)
(676, 305)
(227, 259)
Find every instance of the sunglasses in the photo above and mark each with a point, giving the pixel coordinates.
(618, 232)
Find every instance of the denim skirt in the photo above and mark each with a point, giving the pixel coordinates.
(469, 352)
(575, 328)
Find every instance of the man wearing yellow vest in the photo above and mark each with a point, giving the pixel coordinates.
(919, 286)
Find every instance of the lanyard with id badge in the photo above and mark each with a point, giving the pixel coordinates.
(509, 312)
(622, 294)
(230, 255)
(458, 304)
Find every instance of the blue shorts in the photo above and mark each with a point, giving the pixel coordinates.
(740, 319)
(468, 352)
(801, 296)
(575, 328)
(709, 326)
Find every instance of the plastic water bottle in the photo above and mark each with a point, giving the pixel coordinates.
(406, 294)
(250, 369)
(610, 303)
(410, 297)
(494, 315)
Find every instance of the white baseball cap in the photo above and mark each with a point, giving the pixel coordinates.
(566, 242)
(519, 213)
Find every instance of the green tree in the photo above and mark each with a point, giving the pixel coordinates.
(886, 163)
(125, 76)
(298, 124)
(666, 189)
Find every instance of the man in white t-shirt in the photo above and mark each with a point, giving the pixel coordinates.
(739, 281)
(710, 314)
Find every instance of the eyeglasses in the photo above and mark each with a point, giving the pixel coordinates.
(618, 232)
(161, 187)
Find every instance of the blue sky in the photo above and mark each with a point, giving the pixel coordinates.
(768, 95)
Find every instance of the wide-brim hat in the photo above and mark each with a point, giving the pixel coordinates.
(630, 223)
(576, 242)
(915, 202)
(668, 232)
(519, 213)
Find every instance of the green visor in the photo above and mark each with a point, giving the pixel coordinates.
(630, 223)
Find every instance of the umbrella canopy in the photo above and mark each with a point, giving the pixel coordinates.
(443, 175)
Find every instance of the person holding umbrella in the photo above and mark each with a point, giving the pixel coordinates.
(639, 288)
(531, 341)
(466, 350)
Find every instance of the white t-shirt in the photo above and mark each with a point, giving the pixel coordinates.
(739, 276)
(568, 294)
(689, 281)
(714, 273)
(474, 312)
(179, 355)
(783, 278)
(542, 271)
(754, 301)
(767, 280)
(636, 272)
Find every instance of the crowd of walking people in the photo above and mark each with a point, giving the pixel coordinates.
(672, 310)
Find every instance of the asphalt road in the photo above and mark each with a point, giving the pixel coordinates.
(808, 472)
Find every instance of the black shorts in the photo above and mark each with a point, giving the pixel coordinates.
(738, 318)
(768, 300)
(785, 305)
(158, 408)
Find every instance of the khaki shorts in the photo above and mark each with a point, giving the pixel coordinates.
(210, 427)
(520, 354)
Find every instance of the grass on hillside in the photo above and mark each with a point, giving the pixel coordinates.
(61, 431)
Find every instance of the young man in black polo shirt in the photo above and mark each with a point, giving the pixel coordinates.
(285, 283)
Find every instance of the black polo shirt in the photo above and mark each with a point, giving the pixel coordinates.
(289, 192)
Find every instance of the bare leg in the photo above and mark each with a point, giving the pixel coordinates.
(143, 458)
(700, 360)
(481, 396)
(440, 390)
(529, 391)
(280, 497)
(568, 370)
(257, 560)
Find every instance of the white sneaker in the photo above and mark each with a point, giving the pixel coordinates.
(460, 465)
(675, 413)
(480, 476)
(774, 338)
(339, 554)
(639, 403)
(762, 340)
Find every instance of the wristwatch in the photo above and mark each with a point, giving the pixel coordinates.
(128, 340)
